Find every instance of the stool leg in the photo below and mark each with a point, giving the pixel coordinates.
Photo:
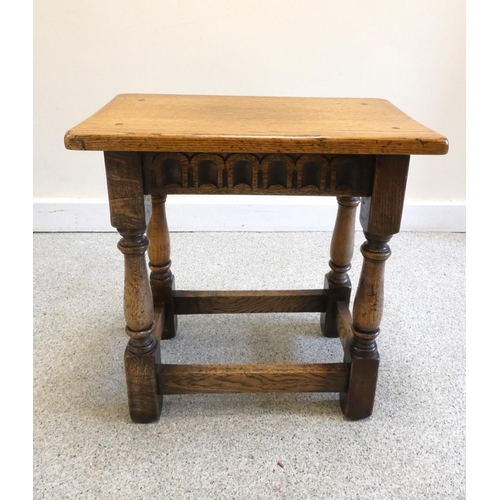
(143, 351)
(161, 277)
(362, 353)
(129, 213)
(337, 281)
(380, 218)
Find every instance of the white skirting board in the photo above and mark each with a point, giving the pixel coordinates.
(239, 213)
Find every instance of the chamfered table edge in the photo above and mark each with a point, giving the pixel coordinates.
(232, 144)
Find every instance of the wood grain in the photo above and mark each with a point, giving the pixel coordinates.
(231, 302)
(129, 208)
(341, 252)
(138, 300)
(381, 213)
(156, 145)
(159, 322)
(273, 174)
(343, 323)
(362, 353)
(161, 277)
(369, 300)
(212, 124)
(142, 354)
(358, 401)
(144, 400)
(194, 379)
(342, 243)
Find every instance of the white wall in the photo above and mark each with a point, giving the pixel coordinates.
(411, 52)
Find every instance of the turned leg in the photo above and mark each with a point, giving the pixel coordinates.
(129, 211)
(380, 218)
(337, 281)
(143, 352)
(161, 277)
(362, 353)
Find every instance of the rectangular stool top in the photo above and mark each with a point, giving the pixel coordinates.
(233, 124)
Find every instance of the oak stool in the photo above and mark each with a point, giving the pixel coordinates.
(156, 145)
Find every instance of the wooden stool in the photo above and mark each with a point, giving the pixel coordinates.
(155, 145)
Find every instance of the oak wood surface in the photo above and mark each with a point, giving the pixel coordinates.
(343, 323)
(258, 173)
(144, 399)
(212, 124)
(381, 213)
(159, 321)
(156, 145)
(129, 208)
(358, 401)
(250, 301)
(341, 252)
(193, 379)
(161, 277)
(138, 299)
(362, 353)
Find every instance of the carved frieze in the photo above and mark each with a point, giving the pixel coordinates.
(208, 173)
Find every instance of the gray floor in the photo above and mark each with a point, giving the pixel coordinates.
(228, 446)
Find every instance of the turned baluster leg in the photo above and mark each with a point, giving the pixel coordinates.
(380, 218)
(129, 212)
(143, 352)
(161, 277)
(362, 353)
(337, 281)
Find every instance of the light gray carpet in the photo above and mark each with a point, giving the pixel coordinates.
(228, 446)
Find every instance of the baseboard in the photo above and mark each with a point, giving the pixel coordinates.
(238, 213)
